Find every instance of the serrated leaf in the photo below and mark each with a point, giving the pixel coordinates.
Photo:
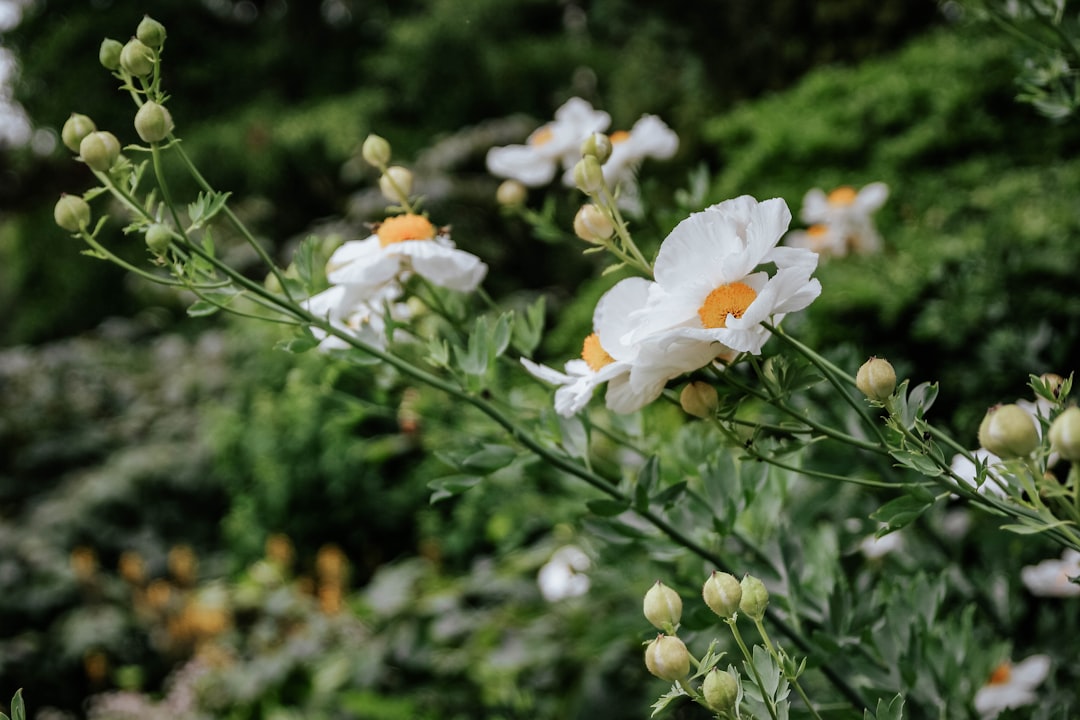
(308, 269)
(664, 700)
(607, 508)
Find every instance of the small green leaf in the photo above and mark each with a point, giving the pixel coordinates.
(451, 485)
(670, 494)
(1029, 527)
(299, 344)
(900, 512)
(919, 463)
(202, 308)
(489, 459)
(607, 508)
(528, 327)
(500, 335)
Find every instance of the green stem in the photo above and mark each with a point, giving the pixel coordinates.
(770, 705)
(793, 680)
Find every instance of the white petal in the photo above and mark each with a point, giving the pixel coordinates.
(445, 266)
(522, 163)
(612, 316)
(1031, 671)
(871, 197)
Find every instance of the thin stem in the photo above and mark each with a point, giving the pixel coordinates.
(793, 680)
(770, 705)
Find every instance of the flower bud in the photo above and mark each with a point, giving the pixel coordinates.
(721, 690)
(588, 176)
(699, 399)
(109, 54)
(663, 607)
(158, 238)
(511, 193)
(153, 122)
(375, 151)
(137, 58)
(150, 32)
(75, 129)
(599, 146)
(1065, 434)
(1053, 382)
(667, 658)
(396, 183)
(71, 213)
(99, 150)
(1008, 431)
(876, 379)
(755, 598)
(722, 593)
(592, 224)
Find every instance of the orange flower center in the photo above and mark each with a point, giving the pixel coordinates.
(541, 136)
(1001, 674)
(594, 354)
(405, 227)
(730, 299)
(619, 136)
(843, 195)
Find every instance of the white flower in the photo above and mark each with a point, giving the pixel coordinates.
(846, 215)
(402, 245)
(1012, 686)
(708, 290)
(821, 238)
(563, 576)
(875, 548)
(356, 311)
(558, 142)
(1051, 578)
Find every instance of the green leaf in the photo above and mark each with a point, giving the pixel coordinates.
(665, 700)
(201, 308)
(309, 266)
(900, 512)
(670, 494)
(205, 207)
(607, 508)
(489, 459)
(528, 327)
(1030, 527)
(917, 462)
(18, 710)
(894, 710)
(451, 485)
(300, 344)
(647, 479)
(501, 334)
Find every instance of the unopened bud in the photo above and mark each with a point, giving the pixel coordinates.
(99, 150)
(71, 213)
(1065, 434)
(396, 183)
(1053, 382)
(663, 607)
(699, 399)
(375, 150)
(721, 691)
(592, 224)
(153, 122)
(511, 193)
(1008, 431)
(722, 593)
(75, 129)
(109, 53)
(667, 658)
(876, 379)
(598, 145)
(150, 32)
(137, 58)
(588, 176)
(158, 238)
(755, 598)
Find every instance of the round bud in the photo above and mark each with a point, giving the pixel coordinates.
(663, 607)
(71, 213)
(75, 129)
(99, 150)
(375, 150)
(721, 690)
(1065, 434)
(153, 122)
(588, 176)
(1053, 381)
(109, 54)
(396, 183)
(150, 32)
(511, 193)
(1008, 431)
(667, 658)
(755, 598)
(137, 58)
(722, 593)
(592, 224)
(598, 145)
(876, 379)
(699, 399)
(158, 238)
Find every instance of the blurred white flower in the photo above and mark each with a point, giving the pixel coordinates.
(1051, 578)
(967, 472)
(841, 221)
(357, 311)
(1012, 686)
(875, 548)
(563, 576)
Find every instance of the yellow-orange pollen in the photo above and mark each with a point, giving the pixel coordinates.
(730, 299)
(1001, 674)
(405, 227)
(843, 195)
(594, 354)
(619, 136)
(541, 136)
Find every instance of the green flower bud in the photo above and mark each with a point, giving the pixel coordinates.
(1053, 382)
(137, 58)
(109, 54)
(599, 146)
(721, 690)
(71, 213)
(699, 399)
(667, 658)
(75, 129)
(511, 193)
(663, 607)
(876, 379)
(158, 238)
(150, 32)
(99, 150)
(755, 598)
(1065, 434)
(153, 122)
(588, 176)
(592, 224)
(375, 151)
(396, 183)
(1008, 431)
(722, 593)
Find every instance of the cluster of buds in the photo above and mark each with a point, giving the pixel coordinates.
(395, 182)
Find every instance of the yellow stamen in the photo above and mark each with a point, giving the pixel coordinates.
(405, 227)
(843, 195)
(619, 136)
(594, 354)
(1001, 674)
(730, 299)
(541, 136)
